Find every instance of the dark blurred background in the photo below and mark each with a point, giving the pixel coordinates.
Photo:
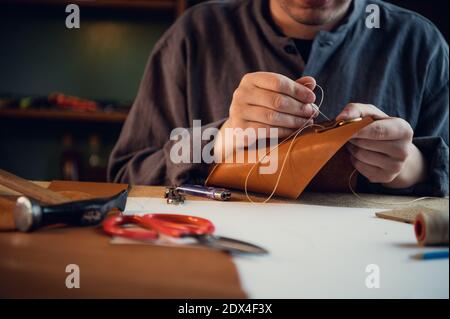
(102, 62)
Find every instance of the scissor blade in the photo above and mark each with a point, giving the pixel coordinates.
(231, 245)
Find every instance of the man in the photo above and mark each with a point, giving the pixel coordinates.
(242, 64)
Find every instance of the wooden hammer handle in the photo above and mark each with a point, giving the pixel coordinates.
(30, 189)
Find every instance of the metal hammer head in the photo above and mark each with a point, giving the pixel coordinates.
(23, 214)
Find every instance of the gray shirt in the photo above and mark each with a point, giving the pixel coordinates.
(402, 68)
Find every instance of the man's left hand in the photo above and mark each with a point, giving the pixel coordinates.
(383, 151)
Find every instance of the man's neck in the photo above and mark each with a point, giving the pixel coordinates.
(294, 29)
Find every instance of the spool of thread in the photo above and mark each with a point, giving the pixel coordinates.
(431, 228)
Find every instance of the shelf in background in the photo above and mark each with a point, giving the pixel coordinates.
(178, 6)
(62, 115)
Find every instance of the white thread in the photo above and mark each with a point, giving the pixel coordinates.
(294, 137)
(382, 203)
(322, 95)
(282, 166)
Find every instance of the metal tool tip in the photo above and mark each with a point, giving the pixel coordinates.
(23, 214)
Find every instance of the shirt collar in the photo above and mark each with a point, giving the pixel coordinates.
(261, 11)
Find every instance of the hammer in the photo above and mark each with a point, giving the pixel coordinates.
(29, 213)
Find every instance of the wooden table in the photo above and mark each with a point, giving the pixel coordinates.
(34, 265)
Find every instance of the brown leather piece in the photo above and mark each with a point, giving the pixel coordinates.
(30, 189)
(78, 190)
(312, 151)
(334, 175)
(7, 204)
(33, 264)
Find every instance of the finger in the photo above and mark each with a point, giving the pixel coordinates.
(376, 159)
(394, 149)
(278, 102)
(268, 131)
(386, 130)
(281, 84)
(307, 81)
(243, 133)
(273, 118)
(372, 173)
(354, 110)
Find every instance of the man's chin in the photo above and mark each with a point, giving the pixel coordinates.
(313, 22)
(312, 19)
(315, 12)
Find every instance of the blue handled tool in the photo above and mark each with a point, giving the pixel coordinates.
(431, 255)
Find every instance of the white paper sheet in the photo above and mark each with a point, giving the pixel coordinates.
(317, 251)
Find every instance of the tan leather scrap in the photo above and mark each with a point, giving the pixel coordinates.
(313, 153)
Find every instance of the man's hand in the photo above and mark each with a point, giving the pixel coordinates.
(383, 151)
(270, 100)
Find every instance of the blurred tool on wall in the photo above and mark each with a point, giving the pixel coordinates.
(61, 101)
(96, 160)
(88, 165)
(70, 160)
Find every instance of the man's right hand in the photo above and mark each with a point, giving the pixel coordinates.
(270, 100)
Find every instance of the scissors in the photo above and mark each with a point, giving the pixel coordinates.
(178, 226)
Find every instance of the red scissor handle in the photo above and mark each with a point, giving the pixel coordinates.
(179, 225)
(113, 226)
(154, 224)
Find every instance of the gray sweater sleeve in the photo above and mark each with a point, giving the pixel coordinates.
(142, 155)
(431, 132)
